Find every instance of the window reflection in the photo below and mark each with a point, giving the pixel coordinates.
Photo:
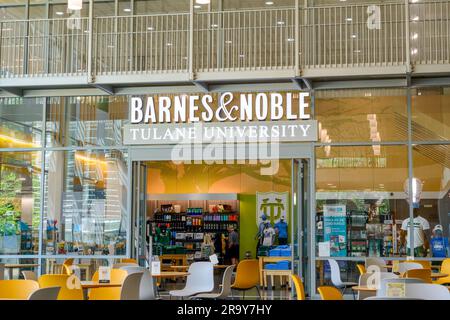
(86, 202)
(360, 201)
(20, 201)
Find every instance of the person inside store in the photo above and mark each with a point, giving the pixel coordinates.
(218, 248)
(233, 245)
(281, 228)
(439, 243)
(421, 230)
(260, 235)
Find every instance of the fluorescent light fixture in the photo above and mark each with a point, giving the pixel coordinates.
(197, 6)
(150, 29)
(59, 13)
(269, 3)
(280, 23)
(203, 1)
(169, 44)
(290, 39)
(354, 36)
(75, 4)
(349, 19)
(127, 10)
(214, 25)
(414, 51)
(415, 36)
(416, 18)
(228, 42)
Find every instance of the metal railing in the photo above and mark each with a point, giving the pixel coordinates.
(430, 32)
(136, 44)
(346, 37)
(245, 40)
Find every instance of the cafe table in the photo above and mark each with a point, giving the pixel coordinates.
(12, 266)
(96, 285)
(170, 274)
(364, 289)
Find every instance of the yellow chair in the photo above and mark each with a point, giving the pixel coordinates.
(425, 264)
(66, 266)
(247, 276)
(361, 268)
(67, 292)
(17, 289)
(445, 268)
(330, 293)
(128, 261)
(117, 276)
(424, 274)
(299, 288)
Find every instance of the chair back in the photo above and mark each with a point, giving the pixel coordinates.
(405, 266)
(201, 277)
(424, 274)
(29, 275)
(382, 291)
(445, 268)
(147, 289)
(50, 293)
(376, 262)
(330, 293)
(427, 291)
(117, 276)
(299, 288)
(424, 263)
(66, 266)
(361, 268)
(68, 291)
(335, 273)
(17, 289)
(131, 286)
(247, 274)
(226, 282)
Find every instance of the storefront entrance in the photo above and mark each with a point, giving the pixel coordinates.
(208, 199)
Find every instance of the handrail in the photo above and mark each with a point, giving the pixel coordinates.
(254, 39)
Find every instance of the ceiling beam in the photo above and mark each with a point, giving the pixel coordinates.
(17, 92)
(108, 89)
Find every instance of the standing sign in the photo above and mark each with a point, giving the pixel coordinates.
(273, 205)
(335, 229)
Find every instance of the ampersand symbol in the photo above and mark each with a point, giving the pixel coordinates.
(226, 99)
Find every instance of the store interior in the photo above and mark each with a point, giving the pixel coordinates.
(199, 203)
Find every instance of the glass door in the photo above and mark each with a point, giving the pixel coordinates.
(139, 209)
(299, 227)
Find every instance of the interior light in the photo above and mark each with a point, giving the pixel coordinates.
(269, 3)
(75, 4)
(127, 10)
(59, 13)
(203, 1)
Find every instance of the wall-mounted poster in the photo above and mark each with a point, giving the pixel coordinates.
(335, 229)
(272, 205)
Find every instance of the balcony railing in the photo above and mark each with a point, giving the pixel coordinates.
(279, 42)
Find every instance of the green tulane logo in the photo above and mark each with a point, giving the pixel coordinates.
(272, 205)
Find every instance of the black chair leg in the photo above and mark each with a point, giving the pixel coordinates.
(259, 293)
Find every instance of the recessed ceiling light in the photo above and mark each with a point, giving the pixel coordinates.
(214, 25)
(228, 42)
(59, 13)
(169, 44)
(127, 10)
(290, 39)
(414, 51)
(416, 18)
(269, 3)
(353, 36)
(150, 29)
(203, 1)
(197, 6)
(280, 23)
(348, 19)
(415, 36)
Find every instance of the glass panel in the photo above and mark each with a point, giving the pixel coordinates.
(86, 121)
(104, 9)
(20, 122)
(349, 272)
(15, 266)
(86, 202)
(362, 115)
(20, 202)
(12, 13)
(161, 6)
(359, 195)
(431, 114)
(61, 11)
(38, 12)
(237, 4)
(432, 170)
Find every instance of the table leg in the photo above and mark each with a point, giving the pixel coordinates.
(261, 266)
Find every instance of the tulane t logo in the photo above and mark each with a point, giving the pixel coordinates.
(275, 209)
